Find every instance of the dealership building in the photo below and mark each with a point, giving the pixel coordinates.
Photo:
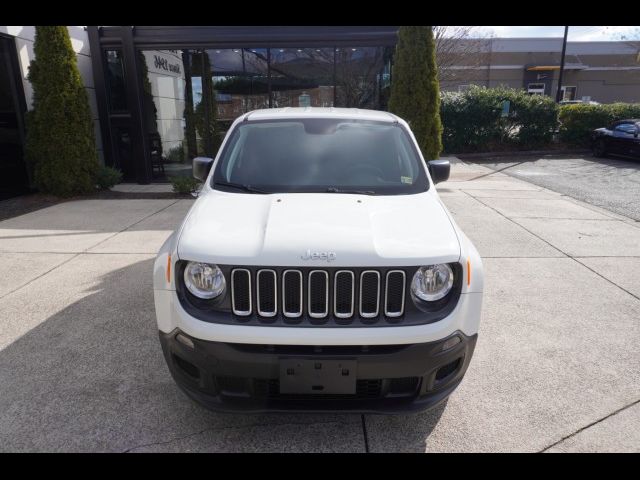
(162, 95)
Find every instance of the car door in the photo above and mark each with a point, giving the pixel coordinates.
(635, 143)
(623, 138)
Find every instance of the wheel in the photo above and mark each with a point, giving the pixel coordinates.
(599, 148)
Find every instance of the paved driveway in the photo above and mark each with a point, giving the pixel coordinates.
(611, 183)
(556, 365)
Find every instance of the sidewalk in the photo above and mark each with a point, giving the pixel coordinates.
(556, 366)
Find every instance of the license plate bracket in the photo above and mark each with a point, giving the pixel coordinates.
(318, 376)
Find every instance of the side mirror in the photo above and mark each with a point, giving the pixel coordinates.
(439, 170)
(202, 167)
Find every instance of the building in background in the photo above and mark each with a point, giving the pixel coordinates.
(170, 93)
(159, 92)
(16, 95)
(605, 72)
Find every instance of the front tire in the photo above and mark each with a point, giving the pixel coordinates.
(599, 148)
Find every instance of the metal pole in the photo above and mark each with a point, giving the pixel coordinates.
(564, 50)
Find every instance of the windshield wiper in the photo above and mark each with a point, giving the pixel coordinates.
(358, 192)
(240, 186)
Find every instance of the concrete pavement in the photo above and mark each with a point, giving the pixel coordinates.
(556, 367)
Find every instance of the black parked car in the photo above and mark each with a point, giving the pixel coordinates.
(620, 138)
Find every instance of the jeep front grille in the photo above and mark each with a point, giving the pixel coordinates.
(343, 294)
(241, 291)
(317, 296)
(369, 293)
(267, 294)
(394, 293)
(292, 293)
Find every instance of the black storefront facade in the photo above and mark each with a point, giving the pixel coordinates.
(167, 94)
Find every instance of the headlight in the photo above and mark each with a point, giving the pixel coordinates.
(432, 282)
(204, 280)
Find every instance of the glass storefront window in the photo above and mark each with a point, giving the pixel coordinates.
(240, 80)
(163, 87)
(302, 77)
(361, 76)
(116, 91)
(191, 96)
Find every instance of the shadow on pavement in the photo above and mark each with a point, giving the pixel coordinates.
(92, 377)
(403, 433)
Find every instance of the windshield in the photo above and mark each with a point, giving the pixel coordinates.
(320, 155)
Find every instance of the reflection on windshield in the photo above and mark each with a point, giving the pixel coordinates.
(318, 155)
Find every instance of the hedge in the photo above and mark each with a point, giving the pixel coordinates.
(472, 120)
(578, 120)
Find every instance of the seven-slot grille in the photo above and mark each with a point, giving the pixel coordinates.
(318, 294)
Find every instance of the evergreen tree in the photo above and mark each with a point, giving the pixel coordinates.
(415, 91)
(60, 142)
(189, 115)
(206, 110)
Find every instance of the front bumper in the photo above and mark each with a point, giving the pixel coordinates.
(245, 377)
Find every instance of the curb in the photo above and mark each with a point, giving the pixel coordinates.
(521, 153)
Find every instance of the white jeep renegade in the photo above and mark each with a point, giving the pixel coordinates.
(318, 270)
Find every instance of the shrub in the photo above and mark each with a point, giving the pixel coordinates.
(184, 185)
(60, 143)
(473, 121)
(415, 91)
(107, 177)
(176, 154)
(534, 116)
(577, 121)
(470, 120)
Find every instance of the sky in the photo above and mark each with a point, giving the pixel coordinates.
(576, 33)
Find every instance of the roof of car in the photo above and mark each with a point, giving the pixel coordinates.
(321, 112)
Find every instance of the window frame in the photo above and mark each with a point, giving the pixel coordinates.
(564, 88)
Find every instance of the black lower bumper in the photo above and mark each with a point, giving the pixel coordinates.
(246, 377)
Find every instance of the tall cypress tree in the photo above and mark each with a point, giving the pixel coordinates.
(206, 110)
(60, 140)
(415, 90)
(189, 118)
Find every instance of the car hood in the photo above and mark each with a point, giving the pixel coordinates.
(280, 229)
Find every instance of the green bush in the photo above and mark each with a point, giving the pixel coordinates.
(107, 177)
(176, 154)
(473, 121)
(184, 185)
(470, 120)
(415, 91)
(60, 143)
(577, 121)
(534, 117)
